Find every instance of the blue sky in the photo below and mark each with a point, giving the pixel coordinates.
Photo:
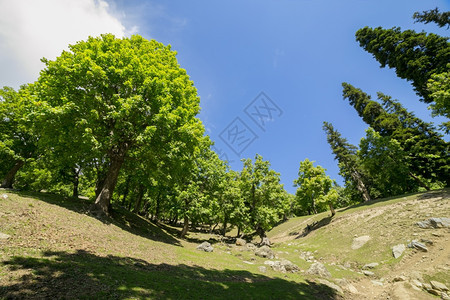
(297, 52)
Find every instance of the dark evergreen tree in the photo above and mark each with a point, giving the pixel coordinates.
(425, 150)
(414, 56)
(345, 154)
(433, 15)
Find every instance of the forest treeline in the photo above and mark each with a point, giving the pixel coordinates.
(116, 120)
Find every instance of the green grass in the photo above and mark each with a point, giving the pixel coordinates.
(84, 275)
(58, 250)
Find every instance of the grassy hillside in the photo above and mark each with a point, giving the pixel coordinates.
(56, 249)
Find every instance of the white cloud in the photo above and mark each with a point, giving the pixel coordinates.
(32, 29)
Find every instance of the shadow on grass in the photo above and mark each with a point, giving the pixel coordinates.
(445, 192)
(120, 217)
(82, 274)
(314, 226)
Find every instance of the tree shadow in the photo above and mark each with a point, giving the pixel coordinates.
(314, 226)
(120, 217)
(445, 192)
(85, 275)
(213, 238)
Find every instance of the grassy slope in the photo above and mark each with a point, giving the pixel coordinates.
(57, 250)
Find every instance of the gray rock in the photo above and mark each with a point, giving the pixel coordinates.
(205, 246)
(377, 282)
(331, 285)
(265, 252)
(360, 241)
(250, 246)
(417, 245)
(425, 241)
(368, 273)
(262, 269)
(427, 286)
(434, 292)
(416, 275)
(445, 296)
(434, 223)
(289, 266)
(4, 236)
(4, 197)
(397, 250)
(399, 278)
(269, 262)
(283, 266)
(438, 286)
(370, 266)
(351, 288)
(416, 282)
(240, 242)
(318, 269)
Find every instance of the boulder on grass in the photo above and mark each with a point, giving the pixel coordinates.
(318, 269)
(240, 242)
(205, 246)
(397, 250)
(265, 252)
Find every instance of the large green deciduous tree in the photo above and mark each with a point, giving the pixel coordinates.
(200, 194)
(314, 187)
(384, 161)
(113, 96)
(17, 140)
(263, 194)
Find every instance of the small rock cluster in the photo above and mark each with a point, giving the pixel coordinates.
(308, 256)
(282, 266)
(433, 287)
(318, 269)
(434, 223)
(265, 252)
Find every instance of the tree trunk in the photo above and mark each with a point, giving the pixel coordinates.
(333, 212)
(10, 176)
(101, 178)
(224, 228)
(158, 205)
(214, 228)
(185, 227)
(127, 189)
(361, 186)
(260, 232)
(314, 207)
(103, 200)
(137, 205)
(76, 182)
(420, 182)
